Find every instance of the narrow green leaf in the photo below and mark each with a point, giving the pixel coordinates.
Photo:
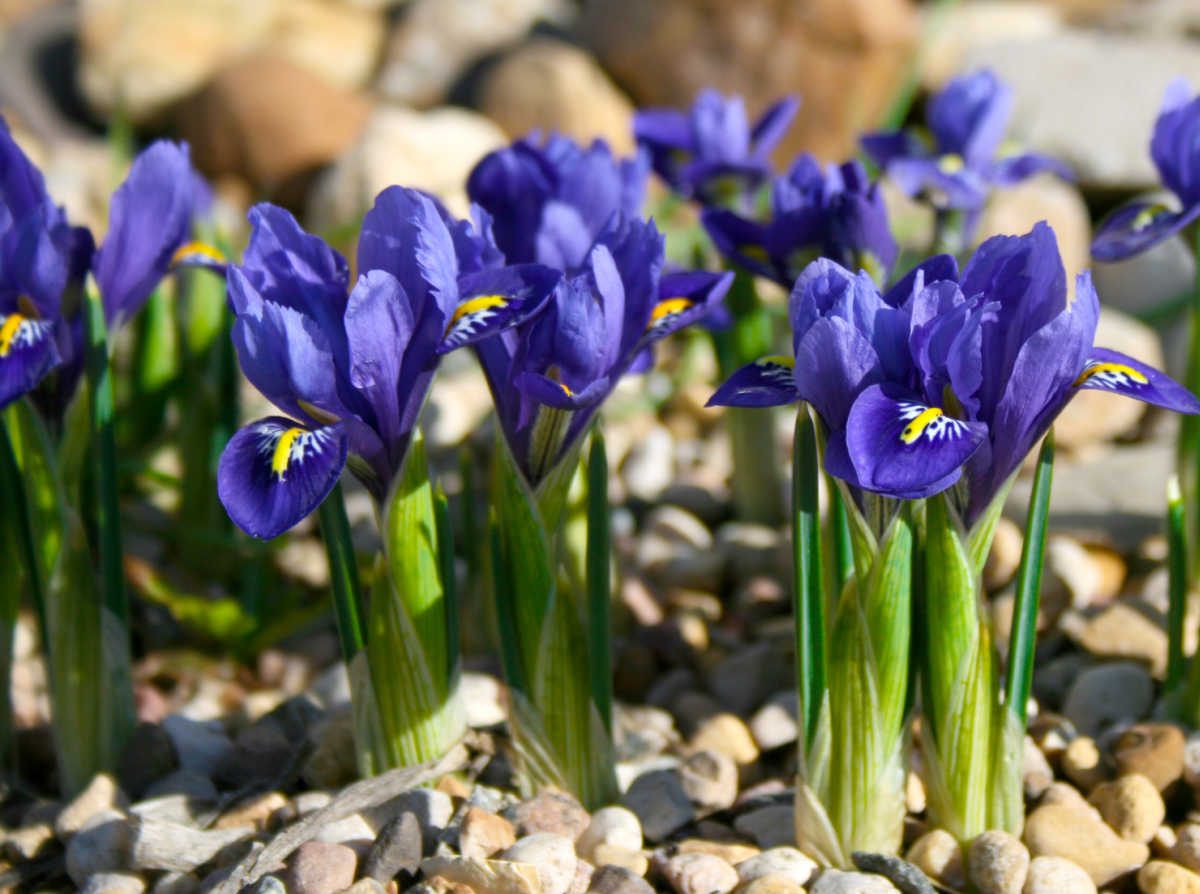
(809, 599)
(599, 592)
(343, 573)
(504, 590)
(1177, 586)
(1029, 581)
(843, 544)
(445, 537)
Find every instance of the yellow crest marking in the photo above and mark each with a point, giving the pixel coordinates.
(566, 390)
(483, 302)
(951, 163)
(671, 306)
(1119, 369)
(283, 451)
(913, 430)
(9, 331)
(197, 248)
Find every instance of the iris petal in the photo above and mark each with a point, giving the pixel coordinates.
(767, 382)
(1109, 370)
(27, 353)
(274, 472)
(1136, 227)
(493, 300)
(904, 448)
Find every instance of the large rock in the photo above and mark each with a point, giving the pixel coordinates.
(270, 120)
(553, 86)
(1057, 81)
(433, 151)
(436, 40)
(967, 26)
(844, 58)
(145, 54)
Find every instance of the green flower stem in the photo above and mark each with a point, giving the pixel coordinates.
(445, 539)
(343, 573)
(1177, 585)
(808, 607)
(598, 572)
(1189, 430)
(1029, 580)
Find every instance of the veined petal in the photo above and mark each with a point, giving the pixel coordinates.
(767, 382)
(552, 393)
(27, 353)
(1135, 227)
(1109, 370)
(834, 362)
(274, 472)
(200, 254)
(684, 298)
(379, 329)
(904, 448)
(493, 300)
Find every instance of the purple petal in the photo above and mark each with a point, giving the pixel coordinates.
(904, 448)
(1135, 227)
(947, 183)
(885, 147)
(274, 472)
(563, 237)
(738, 239)
(493, 300)
(931, 270)
(767, 382)
(513, 185)
(27, 353)
(969, 116)
(22, 188)
(770, 128)
(1109, 370)
(834, 362)
(1015, 168)
(684, 298)
(379, 328)
(149, 218)
(1174, 143)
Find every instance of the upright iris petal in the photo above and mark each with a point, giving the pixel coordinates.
(1175, 148)
(710, 152)
(352, 367)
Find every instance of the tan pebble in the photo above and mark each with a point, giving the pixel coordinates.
(728, 734)
(699, 874)
(730, 851)
(102, 793)
(1155, 750)
(605, 854)
(453, 786)
(255, 812)
(914, 793)
(1004, 556)
(1056, 831)
(937, 854)
(1164, 841)
(1036, 774)
(553, 855)
(1082, 764)
(613, 825)
(1057, 875)
(1165, 877)
(770, 884)
(1120, 630)
(997, 863)
(1060, 794)
(484, 834)
(1131, 805)
(1186, 849)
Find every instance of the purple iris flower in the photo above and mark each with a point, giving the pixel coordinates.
(836, 213)
(352, 366)
(1175, 148)
(945, 374)
(575, 210)
(956, 163)
(44, 261)
(710, 152)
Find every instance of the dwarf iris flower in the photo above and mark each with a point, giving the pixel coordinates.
(44, 260)
(710, 152)
(575, 210)
(955, 163)
(836, 213)
(1175, 148)
(945, 374)
(351, 367)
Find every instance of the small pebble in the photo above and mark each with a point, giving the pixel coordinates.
(1082, 764)
(832, 881)
(101, 845)
(660, 803)
(1165, 877)
(1131, 805)
(781, 861)
(553, 855)
(484, 834)
(699, 874)
(432, 808)
(732, 852)
(727, 734)
(604, 854)
(398, 848)
(551, 810)
(997, 863)
(775, 723)
(113, 883)
(1103, 695)
(1036, 774)
(351, 830)
(613, 825)
(938, 855)
(178, 883)
(770, 884)
(319, 867)
(1186, 849)
(610, 879)
(1156, 750)
(253, 813)
(102, 793)
(365, 886)
(906, 877)
(1055, 831)
(710, 779)
(771, 826)
(1057, 875)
